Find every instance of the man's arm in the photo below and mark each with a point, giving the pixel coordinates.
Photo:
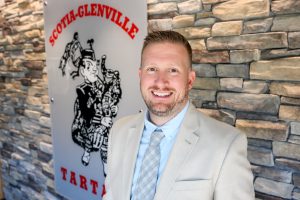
(235, 181)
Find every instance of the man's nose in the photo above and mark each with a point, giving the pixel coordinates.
(161, 78)
(94, 68)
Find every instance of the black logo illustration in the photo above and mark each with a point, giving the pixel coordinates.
(97, 98)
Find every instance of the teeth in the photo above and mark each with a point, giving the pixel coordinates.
(162, 94)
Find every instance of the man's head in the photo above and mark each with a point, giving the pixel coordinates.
(89, 70)
(165, 74)
(75, 36)
(171, 37)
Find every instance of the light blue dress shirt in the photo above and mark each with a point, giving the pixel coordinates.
(170, 130)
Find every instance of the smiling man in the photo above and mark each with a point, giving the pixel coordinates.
(172, 151)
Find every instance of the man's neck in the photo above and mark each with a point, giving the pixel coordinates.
(161, 120)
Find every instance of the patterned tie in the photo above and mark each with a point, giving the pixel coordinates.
(146, 183)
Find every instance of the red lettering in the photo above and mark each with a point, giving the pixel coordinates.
(54, 33)
(86, 10)
(133, 31)
(103, 190)
(113, 16)
(95, 186)
(63, 170)
(58, 28)
(118, 19)
(100, 10)
(63, 20)
(73, 17)
(93, 9)
(108, 11)
(80, 11)
(83, 182)
(73, 178)
(51, 40)
(124, 26)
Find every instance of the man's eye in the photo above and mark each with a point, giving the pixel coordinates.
(173, 70)
(151, 69)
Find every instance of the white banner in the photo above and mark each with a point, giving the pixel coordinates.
(93, 54)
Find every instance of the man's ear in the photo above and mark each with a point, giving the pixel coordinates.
(140, 72)
(81, 71)
(192, 77)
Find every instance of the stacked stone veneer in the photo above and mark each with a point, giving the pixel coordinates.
(246, 54)
(247, 57)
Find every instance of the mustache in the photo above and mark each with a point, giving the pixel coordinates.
(162, 89)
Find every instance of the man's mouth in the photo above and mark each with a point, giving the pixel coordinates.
(161, 94)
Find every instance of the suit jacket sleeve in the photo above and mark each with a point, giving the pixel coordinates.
(235, 179)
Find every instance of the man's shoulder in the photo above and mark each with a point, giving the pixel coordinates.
(128, 121)
(216, 128)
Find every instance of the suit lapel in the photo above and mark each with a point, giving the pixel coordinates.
(132, 146)
(187, 137)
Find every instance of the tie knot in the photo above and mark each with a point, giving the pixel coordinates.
(156, 137)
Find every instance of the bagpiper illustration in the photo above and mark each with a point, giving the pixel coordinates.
(72, 52)
(97, 100)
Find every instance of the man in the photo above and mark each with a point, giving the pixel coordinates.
(199, 157)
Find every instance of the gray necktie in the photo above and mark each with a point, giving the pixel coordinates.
(146, 183)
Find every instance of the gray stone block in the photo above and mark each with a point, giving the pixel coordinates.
(194, 32)
(244, 56)
(288, 164)
(249, 41)
(231, 84)
(162, 8)
(286, 23)
(246, 9)
(275, 131)
(260, 156)
(275, 188)
(190, 6)
(289, 113)
(287, 150)
(273, 174)
(295, 128)
(258, 26)
(210, 56)
(285, 6)
(255, 87)
(204, 70)
(207, 83)
(285, 69)
(260, 103)
(285, 89)
(233, 70)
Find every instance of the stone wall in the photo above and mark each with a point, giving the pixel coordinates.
(1, 185)
(247, 57)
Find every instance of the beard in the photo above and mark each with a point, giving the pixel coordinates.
(163, 109)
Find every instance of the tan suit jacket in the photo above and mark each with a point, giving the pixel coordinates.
(208, 161)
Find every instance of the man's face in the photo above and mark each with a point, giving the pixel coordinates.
(165, 78)
(90, 71)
